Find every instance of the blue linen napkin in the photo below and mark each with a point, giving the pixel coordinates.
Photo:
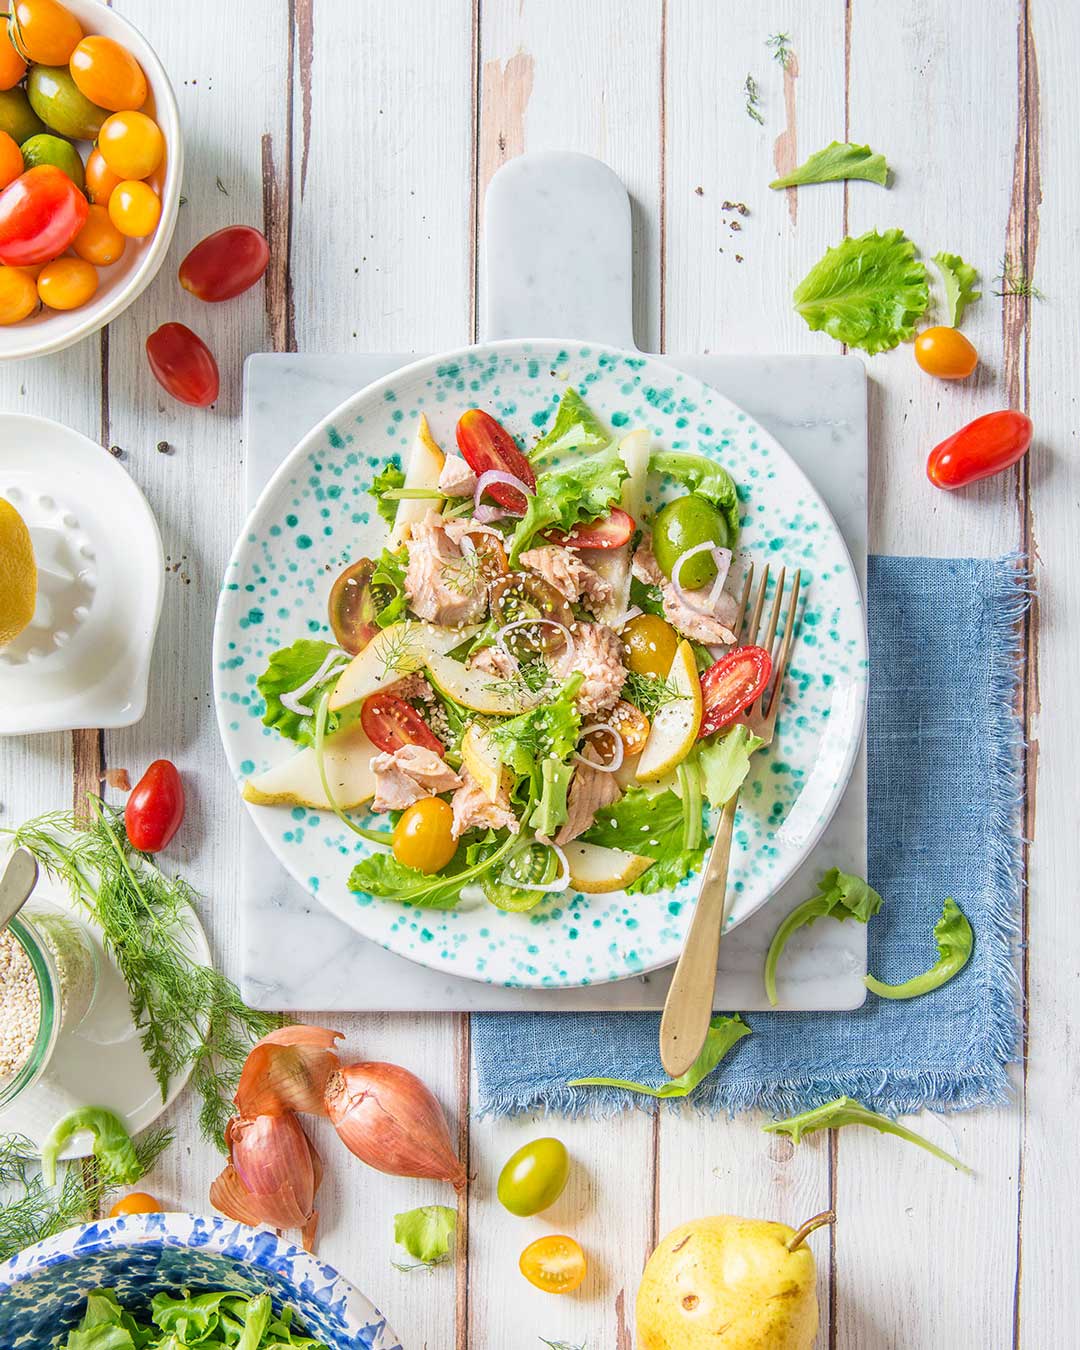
(944, 757)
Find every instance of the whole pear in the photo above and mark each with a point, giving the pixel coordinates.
(725, 1283)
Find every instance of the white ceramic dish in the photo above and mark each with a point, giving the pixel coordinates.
(315, 516)
(53, 330)
(85, 659)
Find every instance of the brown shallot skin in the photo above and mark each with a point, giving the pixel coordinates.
(273, 1175)
(387, 1117)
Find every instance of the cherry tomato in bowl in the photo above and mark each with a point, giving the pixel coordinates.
(225, 263)
(554, 1263)
(731, 684)
(390, 723)
(155, 808)
(609, 532)
(485, 445)
(41, 212)
(183, 364)
(946, 353)
(984, 447)
(108, 75)
(43, 31)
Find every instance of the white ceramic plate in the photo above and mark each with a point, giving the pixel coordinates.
(315, 516)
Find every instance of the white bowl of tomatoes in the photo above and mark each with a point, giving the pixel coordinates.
(87, 218)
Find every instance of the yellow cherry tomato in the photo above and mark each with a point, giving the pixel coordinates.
(99, 241)
(67, 283)
(131, 143)
(555, 1263)
(134, 209)
(18, 295)
(100, 179)
(649, 645)
(946, 353)
(44, 31)
(138, 1202)
(12, 66)
(11, 159)
(422, 837)
(108, 74)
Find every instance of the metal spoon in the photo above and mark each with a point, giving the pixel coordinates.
(17, 884)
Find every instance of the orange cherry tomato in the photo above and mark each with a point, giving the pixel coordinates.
(423, 837)
(946, 353)
(138, 1202)
(100, 179)
(99, 241)
(67, 283)
(108, 74)
(555, 1263)
(18, 295)
(131, 143)
(44, 31)
(134, 209)
(12, 66)
(11, 158)
(649, 645)
(982, 448)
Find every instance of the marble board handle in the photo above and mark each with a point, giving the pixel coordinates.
(557, 251)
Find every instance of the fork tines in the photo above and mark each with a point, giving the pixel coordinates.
(753, 623)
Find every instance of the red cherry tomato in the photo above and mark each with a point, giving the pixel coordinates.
(225, 264)
(611, 532)
(485, 444)
(979, 450)
(155, 808)
(41, 212)
(389, 723)
(732, 684)
(183, 364)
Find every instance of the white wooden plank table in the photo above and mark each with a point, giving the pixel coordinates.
(361, 137)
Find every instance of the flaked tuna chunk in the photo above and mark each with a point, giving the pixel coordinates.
(493, 661)
(413, 688)
(597, 653)
(407, 775)
(474, 809)
(713, 630)
(564, 569)
(590, 791)
(456, 479)
(441, 584)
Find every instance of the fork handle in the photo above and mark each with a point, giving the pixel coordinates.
(688, 1008)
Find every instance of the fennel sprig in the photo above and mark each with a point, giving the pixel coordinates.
(187, 1014)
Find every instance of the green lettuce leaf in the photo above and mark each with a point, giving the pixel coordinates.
(647, 597)
(539, 746)
(426, 1233)
(840, 895)
(954, 939)
(958, 278)
(723, 1033)
(389, 476)
(846, 1111)
(650, 825)
(868, 292)
(839, 160)
(708, 479)
(388, 586)
(580, 490)
(726, 762)
(575, 426)
(289, 668)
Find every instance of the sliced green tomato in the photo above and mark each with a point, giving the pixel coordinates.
(392, 654)
(532, 863)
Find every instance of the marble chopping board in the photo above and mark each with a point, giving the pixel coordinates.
(546, 277)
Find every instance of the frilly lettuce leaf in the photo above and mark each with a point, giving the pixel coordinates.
(725, 763)
(575, 425)
(708, 479)
(650, 825)
(389, 476)
(958, 279)
(580, 490)
(954, 939)
(839, 894)
(426, 1233)
(839, 160)
(289, 668)
(722, 1034)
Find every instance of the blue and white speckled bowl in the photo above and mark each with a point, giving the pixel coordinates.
(42, 1290)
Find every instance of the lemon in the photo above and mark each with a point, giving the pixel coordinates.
(18, 574)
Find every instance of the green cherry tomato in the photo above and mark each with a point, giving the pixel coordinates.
(46, 149)
(534, 1177)
(17, 117)
(681, 525)
(62, 105)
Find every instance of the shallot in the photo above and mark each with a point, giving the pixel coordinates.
(273, 1175)
(287, 1071)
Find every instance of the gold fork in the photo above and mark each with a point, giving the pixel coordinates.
(685, 1022)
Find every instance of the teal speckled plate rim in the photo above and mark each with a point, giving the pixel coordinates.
(314, 515)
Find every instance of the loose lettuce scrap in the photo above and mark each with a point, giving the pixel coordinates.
(958, 279)
(869, 292)
(652, 826)
(837, 161)
(576, 427)
(426, 1233)
(954, 939)
(723, 1033)
(583, 489)
(112, 1147)
(847, 1111)
(708, 479)
(840, 895)
(289, 669)
(390, 477)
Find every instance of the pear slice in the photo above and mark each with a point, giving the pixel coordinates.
(476, 689)
(613, 564)
(391, 655)
(425, 465)
(676, 724)
(479, 757)
(296, 782)
(595, 870)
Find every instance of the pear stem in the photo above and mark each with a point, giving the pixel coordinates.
(818, 1221)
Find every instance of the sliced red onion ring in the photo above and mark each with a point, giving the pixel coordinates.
(560, 883)
(722, 558)
(615, 762)
(484, 512)
(533, 623)
(291, 699)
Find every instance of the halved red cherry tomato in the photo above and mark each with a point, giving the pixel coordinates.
(979, 450)
(611, 532)
(732, 684)
(183, 364)
(554, 1263)
(155, 808)
(41, 212)
(485, 444)
(225, 263)
(389, 723)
